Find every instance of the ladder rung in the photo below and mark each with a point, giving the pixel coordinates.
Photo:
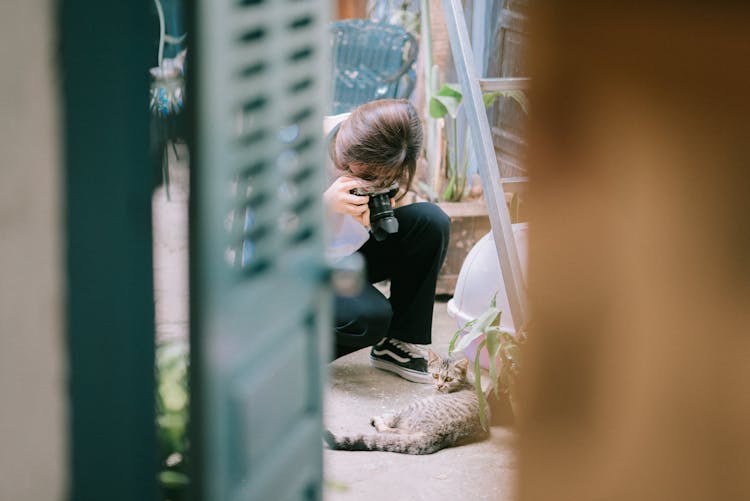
(515, 184)
(492, 84)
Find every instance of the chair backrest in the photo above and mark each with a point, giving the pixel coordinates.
(370, 61)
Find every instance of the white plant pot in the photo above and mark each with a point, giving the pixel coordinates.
(479, 279)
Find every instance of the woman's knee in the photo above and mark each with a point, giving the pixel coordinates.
(430, 218)
(439, 220)
(362, 319)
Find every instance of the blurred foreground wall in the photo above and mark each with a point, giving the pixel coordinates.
(32, 414)
(637, 385)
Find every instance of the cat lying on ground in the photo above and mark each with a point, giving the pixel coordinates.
(448, 418)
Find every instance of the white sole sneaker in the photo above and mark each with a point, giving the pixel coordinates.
(408, 374)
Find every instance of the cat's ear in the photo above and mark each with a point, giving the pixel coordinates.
(463, 365)
(432, 357)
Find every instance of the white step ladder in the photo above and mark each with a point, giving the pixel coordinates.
(493, 185)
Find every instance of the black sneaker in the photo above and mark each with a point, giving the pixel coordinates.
(404, 359)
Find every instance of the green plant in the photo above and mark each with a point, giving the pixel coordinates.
(165, 101)
(172, 410)
(446, 104)
(497, 344)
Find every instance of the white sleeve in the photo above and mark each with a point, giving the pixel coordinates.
(346, 235)
(330, 121)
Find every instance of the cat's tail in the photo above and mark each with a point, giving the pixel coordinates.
(403, 443)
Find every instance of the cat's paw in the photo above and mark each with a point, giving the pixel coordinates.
(381, 423)
(329, 439)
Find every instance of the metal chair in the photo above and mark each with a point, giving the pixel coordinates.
(370, 61)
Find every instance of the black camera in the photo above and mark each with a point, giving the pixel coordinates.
(383, 222)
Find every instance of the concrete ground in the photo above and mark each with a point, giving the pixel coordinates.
(170, 246)
(356, 392)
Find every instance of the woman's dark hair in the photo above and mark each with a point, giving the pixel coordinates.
(383, 135)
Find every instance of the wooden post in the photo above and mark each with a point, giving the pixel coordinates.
(635, 383)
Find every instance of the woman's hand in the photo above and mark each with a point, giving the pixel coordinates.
(338, 199)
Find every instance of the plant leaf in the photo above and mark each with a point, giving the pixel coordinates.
(446, 101)
(448, 192)
(493, 301)
(517, 95)
(521, 99)
(478, 329)
(452, 344)
(437, 109)
(496, 322)
(450, 104)
(450, 90)
(489, 98)
(492, 336)
(470, 324)
(170, 478)
(478, 387)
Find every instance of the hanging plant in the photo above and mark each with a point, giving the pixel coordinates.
(166, 95)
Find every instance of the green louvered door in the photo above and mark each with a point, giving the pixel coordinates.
(259, 296)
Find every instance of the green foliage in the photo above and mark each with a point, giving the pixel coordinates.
(172, 411)
(481, 397)
(517, 95)
(446, 104)
(335, 486)
(498, 344)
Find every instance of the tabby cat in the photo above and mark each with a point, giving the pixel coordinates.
(448, 418)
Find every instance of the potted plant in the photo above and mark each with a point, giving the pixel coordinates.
(446, 105)
(503, 351)
(166, 95)
(469, 217)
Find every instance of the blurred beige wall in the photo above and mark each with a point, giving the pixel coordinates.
(32, 413)
(637, 381)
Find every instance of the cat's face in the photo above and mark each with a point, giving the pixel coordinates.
(447, 374)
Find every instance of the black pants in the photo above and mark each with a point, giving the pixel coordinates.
(411, 259)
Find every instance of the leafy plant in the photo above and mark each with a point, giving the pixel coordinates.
(446, 104)
(172, 407)
(496, 343)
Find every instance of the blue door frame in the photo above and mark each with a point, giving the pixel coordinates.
(107, 48)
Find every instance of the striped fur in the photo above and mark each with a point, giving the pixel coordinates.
(448, 418)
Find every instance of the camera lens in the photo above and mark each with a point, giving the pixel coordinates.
(380, 206)
(382, 219)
